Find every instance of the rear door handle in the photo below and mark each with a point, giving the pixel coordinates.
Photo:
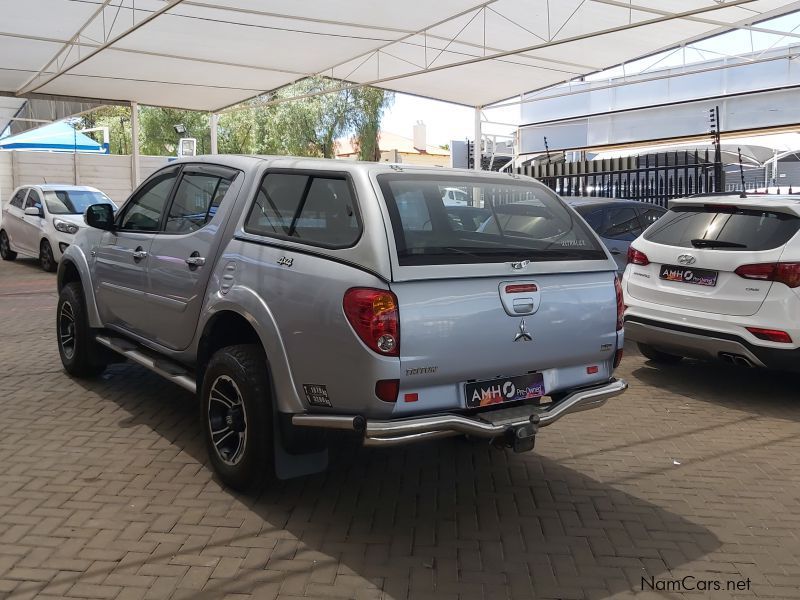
(139, 254)
(615, 251)
(196, 261)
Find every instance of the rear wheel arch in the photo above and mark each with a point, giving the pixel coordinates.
(225, 328)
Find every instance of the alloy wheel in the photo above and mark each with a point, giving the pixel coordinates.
(227, 420)
(66, 330)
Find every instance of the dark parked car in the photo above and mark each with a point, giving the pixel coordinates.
(617, 222)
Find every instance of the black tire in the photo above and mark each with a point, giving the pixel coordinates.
(46, 259)
(236, 412)
(658, 356)
(6, 253)
(80, 354)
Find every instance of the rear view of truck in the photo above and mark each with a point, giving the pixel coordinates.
(503, 320)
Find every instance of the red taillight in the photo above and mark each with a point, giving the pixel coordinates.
(620, 303)
(387, 389)
(771, 335)
(592, 370)
(637, 258)
(786, 273)
(521, 287)
(374, 316)
(617, 358)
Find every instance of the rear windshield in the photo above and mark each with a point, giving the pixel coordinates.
(728, 228)
(494, 221)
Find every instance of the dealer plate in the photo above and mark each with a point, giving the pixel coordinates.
(505, 389)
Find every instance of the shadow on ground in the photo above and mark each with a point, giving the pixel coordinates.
(758, 391)
(445, 519)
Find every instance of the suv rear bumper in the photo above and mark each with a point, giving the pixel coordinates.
(488, 424)
(709, 345)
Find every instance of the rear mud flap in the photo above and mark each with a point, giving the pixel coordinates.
(290, 466)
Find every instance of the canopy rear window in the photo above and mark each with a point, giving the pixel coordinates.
(723, 228)
(492, 221)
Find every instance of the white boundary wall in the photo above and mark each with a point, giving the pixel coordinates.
(110, 173)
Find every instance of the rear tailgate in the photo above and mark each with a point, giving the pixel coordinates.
(695, 249)
(464, 331)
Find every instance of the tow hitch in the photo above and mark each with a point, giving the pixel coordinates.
(521, 438)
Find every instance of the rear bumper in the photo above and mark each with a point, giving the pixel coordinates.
(709, 345)
(486, 424)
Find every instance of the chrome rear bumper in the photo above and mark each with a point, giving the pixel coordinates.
(486, 424)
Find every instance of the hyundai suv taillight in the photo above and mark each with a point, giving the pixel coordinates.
(374, 316)
(637, 258)
(786, 273)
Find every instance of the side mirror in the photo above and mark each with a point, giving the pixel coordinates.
(32, 211)
(100, 216)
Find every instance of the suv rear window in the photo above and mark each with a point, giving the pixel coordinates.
(504, 220)
(734, 228)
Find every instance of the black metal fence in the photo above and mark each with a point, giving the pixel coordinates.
(654, 178)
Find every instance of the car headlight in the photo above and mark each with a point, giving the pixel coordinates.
(65, 227)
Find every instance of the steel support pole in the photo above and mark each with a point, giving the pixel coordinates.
(135, 171)
(476, 154)
(214, 132)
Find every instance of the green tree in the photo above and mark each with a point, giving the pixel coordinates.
(305, 127)
(158, 135)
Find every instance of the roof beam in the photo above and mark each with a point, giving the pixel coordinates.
(498, 55)
(71, 42)
(29, 87)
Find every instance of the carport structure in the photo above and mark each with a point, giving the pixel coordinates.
(212, 56)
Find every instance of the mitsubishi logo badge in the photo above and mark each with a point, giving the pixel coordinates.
(519, 265)
(522, 334)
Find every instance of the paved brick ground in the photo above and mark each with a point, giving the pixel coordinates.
(105, 493)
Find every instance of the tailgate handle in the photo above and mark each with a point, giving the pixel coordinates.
(523, 305)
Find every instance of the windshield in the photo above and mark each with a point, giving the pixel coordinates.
(501, 221)
(73, 202)
(723, 228)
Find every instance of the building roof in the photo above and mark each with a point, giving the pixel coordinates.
(390, 141)
(205, 55)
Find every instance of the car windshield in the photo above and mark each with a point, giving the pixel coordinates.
(503, 220)
(73, 202)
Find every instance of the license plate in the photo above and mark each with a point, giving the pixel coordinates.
(688, 275)
(506, 389)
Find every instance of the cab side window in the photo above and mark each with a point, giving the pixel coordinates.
(197, 198)
(318, 209)
(144, 211)
(18, 198)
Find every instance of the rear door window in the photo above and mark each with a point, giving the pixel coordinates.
(317, 209)
(511, 220)
(723, 228)
(621, 223)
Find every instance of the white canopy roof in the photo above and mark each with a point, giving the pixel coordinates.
(209, 55)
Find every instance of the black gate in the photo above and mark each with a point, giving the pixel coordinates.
(654, 178)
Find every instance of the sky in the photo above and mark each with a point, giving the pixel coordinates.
(443, 121)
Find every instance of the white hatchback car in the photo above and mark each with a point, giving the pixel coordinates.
(41, 220)
(718, 278)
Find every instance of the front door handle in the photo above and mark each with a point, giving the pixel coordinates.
(195, 261)
(139, 254)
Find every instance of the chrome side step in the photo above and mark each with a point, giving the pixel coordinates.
(150, 360)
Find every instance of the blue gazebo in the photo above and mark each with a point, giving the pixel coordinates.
(57, 137)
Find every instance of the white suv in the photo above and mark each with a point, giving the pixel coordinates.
(718, 278)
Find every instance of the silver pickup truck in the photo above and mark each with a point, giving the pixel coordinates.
(297, 297)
